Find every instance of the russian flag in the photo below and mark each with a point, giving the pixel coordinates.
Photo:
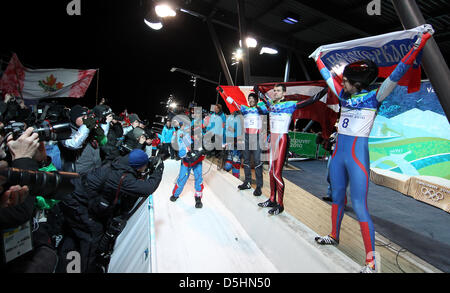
(385, 50)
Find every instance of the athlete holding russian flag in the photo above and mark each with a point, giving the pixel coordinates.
(350, 160)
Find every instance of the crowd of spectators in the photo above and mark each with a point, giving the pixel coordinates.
(70, 179)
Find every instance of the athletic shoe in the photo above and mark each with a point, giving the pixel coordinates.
(198, 203)
(367, 269)
(244, 186)
(267, 204)
(173, 198)
(326, 240)
(257, 191)
(276, 210)
(327, 198)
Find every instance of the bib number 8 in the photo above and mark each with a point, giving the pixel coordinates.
(345, 123)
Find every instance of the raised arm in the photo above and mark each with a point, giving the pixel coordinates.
(230, 100)
(333, 84)
(313, 99)
(391, 82)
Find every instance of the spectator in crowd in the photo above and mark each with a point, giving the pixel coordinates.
(156, 143)
(234, 139)
(216, 128)
(166, 139)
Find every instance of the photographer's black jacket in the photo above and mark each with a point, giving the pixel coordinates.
(104, 182)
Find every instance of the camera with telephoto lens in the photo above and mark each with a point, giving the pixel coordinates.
(45, 130)
(100, 113)
(53, 185)
(155, 162)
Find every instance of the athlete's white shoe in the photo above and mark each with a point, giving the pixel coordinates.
(326, 240)
(367, 269)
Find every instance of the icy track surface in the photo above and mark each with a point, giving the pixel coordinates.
(212, 240)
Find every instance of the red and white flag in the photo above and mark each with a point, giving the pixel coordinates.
(35, 84)
(238, 93)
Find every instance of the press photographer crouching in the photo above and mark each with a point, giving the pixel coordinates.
(135, 139)
(28, 219)
(80, 153)
(96, 212)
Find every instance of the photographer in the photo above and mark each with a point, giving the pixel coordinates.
(110, 150)
(18, 208)
(13, 108)
(81, 152)
(100, 197)
(135, 139)
(134, 121)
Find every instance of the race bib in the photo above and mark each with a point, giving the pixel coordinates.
(253, 122)
(279, 123)
(356, 122)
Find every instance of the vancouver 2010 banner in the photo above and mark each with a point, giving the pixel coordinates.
(411, 134)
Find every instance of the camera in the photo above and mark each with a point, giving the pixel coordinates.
(99, 113)
(49, 185)
(154, 162)
(117, 117)
(46, 131)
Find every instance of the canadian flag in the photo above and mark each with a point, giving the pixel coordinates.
(35, 84)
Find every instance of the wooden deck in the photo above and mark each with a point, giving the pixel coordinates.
(316, 214)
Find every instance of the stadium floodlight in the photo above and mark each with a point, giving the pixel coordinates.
(267, 50)
(154, 25)
(164, 10)
(250, 42)
(238, 54)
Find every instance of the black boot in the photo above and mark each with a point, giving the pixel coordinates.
(278, 209)
(257, 191)
(198, 203)
(244, 186)
(267, 204)
(173, 198)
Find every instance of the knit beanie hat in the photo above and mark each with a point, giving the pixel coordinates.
(138, 132)
(137, 159)
(75, 112)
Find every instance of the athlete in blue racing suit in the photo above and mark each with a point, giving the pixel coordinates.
(350, 159)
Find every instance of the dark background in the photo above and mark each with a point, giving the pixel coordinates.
(134, 60)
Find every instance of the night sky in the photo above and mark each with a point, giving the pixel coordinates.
(134, 60)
